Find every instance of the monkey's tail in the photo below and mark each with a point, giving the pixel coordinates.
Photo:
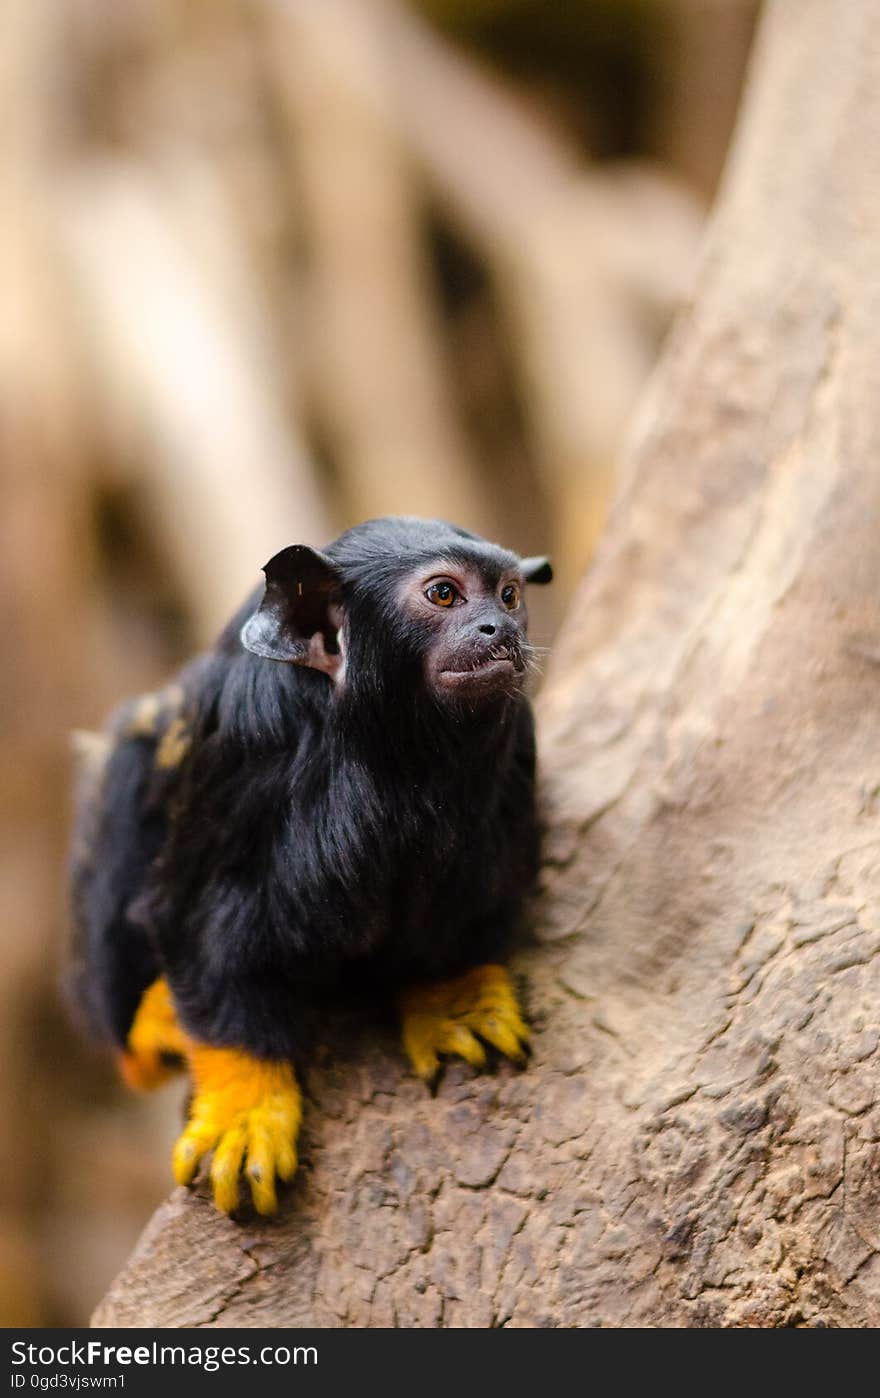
(117, 832)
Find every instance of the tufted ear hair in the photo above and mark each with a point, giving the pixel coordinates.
(299, 616)
(537, 570)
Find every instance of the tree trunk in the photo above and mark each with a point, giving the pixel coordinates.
(696, 1140)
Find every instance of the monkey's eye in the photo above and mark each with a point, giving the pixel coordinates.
(510, 596)
(442, 593)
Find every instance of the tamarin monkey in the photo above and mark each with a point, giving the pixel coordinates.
(338, 796)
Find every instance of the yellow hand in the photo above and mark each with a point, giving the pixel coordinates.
(454, 1016)
(248, 1112)
(156, 1046)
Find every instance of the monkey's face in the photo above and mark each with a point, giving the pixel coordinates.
(472, 621)
(399, 605)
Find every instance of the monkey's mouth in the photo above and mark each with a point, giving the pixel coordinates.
(494, 667)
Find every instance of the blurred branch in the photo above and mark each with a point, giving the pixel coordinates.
(707, 50)
(582, 285)
(382, 389)
(54, 644)
(229, 480)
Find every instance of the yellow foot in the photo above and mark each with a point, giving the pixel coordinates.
(454, 1016)
(156, 1045)
(248, 1112)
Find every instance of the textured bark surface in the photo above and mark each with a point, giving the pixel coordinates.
(696, 1140)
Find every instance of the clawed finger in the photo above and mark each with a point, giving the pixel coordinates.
(190, 1151)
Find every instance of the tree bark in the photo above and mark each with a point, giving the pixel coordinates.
(696, 1139)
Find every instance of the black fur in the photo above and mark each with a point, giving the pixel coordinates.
(318, 836)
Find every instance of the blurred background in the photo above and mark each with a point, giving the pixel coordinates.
(269, 267)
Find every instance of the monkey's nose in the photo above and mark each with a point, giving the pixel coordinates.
(488, 630)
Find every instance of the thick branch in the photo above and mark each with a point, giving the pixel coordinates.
(696, 1140)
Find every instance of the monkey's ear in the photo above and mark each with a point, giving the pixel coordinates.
(537, 570)
(298, 618)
